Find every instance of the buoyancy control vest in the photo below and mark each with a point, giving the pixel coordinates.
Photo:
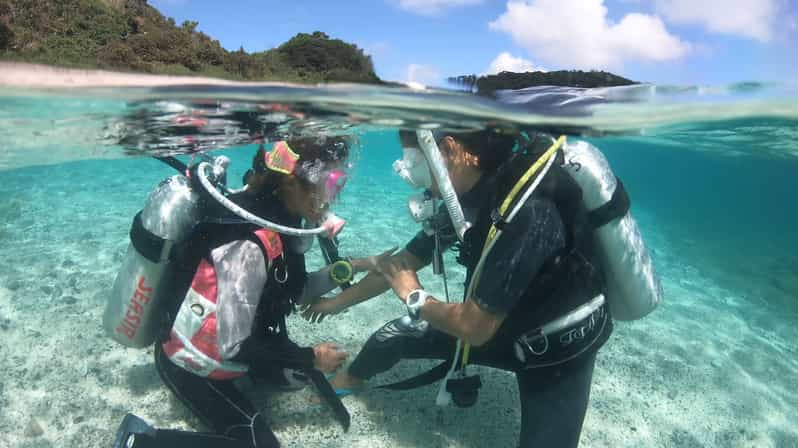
(603, 270)
(569, 278)
(566, 299)
(193, 340)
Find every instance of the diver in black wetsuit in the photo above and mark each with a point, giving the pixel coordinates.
(539, 270)
(229, 320)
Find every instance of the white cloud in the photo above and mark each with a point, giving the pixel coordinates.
(747, 18)
(425, 75)
(505, 62)
(578, 34)
(432, 7)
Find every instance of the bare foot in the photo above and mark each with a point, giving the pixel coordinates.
(343, 380)
(346, 381)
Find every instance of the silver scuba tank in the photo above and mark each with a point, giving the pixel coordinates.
(633, 287)
(167, 218)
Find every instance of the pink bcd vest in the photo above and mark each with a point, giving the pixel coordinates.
(194, 343)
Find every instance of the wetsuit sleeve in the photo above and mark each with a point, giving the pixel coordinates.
(535, 234)
(241, 276)
(267, 352)
(422, 246)
(317, 284)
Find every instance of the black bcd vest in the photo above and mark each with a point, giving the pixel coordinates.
(567, 279)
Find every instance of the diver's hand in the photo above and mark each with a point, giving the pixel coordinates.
(400, 275)
(328, 357)
(316, 312)
(370, 263)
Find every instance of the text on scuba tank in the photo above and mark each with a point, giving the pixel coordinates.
(135, 309)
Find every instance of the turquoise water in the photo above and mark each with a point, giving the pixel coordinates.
(715, 365)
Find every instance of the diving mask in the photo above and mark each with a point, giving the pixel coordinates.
(327, 182)
(334, 181)
(413, 168)
(326, 190)
(283, 159)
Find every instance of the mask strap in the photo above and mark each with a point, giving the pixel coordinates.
(281, 158)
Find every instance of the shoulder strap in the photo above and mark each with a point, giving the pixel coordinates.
(270, 243)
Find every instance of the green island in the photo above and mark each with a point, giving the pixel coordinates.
(131, 35)
(488, 84)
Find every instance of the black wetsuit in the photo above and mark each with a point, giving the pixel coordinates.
(554, 394)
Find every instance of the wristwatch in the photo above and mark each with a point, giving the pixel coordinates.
(341, 272)
(415, 300)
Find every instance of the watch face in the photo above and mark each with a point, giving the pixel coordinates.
(341, 271)
(414, 297)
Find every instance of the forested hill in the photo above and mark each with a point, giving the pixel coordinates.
(131, 35)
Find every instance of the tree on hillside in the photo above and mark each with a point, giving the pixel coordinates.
(317, 53)
(190, 26)
(6, 33)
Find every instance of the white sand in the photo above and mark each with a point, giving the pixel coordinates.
(24, 75)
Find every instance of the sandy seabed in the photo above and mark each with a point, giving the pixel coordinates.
(710, 368)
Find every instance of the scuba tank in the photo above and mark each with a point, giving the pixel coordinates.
(167, 218)
(633, 287)
(170, 214)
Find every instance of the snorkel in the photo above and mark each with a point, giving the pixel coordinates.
(283, 160)
(418, 167)
(438, 169)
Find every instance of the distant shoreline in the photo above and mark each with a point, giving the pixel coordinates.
(26, 75)
(487, 85)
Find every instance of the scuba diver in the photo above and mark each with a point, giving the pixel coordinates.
(210, 278)
(552, 256)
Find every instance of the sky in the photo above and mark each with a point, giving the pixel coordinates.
(682, 42)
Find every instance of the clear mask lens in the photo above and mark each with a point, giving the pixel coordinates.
(327, 186)
(334, 183)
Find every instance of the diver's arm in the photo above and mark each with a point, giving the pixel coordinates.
(466, 321)
(369, 287)
(372, 285)
(267, 352)
(317, 284)
(535, 235)
(239, 288)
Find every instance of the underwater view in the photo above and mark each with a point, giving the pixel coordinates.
(712, 175)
